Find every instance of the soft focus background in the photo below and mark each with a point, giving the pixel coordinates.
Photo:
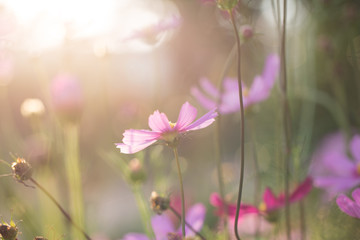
(125, 69)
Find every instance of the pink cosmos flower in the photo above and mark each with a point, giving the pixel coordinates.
(163, 129)
(332, 168)
(348, 206)
(222, 206)
(272, 202)
(229, 98)
(163, 227)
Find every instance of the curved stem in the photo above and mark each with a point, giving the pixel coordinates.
(182, 192)
(186, 223)
(287, 123)
(242, 135)
(67, 216)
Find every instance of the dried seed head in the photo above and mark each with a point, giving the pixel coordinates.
(22, 170)
(174, 236)
(8, 232)
(159, 204)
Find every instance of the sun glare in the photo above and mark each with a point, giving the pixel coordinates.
(46, 24)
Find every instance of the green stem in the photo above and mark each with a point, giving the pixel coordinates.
(62, 210)
(74, 175)
(287, 123)
(242, 134)
(182, 192)
(144, 212)
(186, 223)
(302, 220)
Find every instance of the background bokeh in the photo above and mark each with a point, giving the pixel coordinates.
(124, 77)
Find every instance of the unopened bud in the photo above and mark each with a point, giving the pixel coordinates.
(246, 31)
(8, 232)
(159, 204)
(32, 107)
(22, 170)
(137, 173)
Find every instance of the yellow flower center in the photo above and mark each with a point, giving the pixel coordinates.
(262, 207)
(172, 125)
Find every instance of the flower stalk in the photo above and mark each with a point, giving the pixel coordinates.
(67, 215)
(242, 134)
(287, 123)
(182, 192)
(186, 223)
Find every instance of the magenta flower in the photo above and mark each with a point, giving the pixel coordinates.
(163, 129)
(229, 98)
(348, 206)
(272, 202)
(332, 169)
(163, 227)
(222, 206)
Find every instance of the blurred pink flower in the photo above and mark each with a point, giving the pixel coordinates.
(271, 202)
(67, 96)
(162, 225)
(229, 99)
(348, 206)
(332, 169)
(163, 129)
(230, 209)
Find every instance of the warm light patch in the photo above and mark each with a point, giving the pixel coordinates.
(262, 207)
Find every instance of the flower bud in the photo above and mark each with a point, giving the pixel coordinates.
(40, 238)
(22, 170)
(8, 232)
(67, 97)
(159, 204)
(246, 31)
(32, 107)
(137, 173)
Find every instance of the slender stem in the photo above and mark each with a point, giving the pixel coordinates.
(182, 192)
(143, 209)
(287, 123)
(67, 216)
(242, 134)
(257, 175)
(302, 220)
(186, 223)
(72, 165)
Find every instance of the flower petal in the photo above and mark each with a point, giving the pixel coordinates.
(336, 184)
(348, 206)
(186, 116)
(270, 199)
(202, 122)
(356, 195)
(161, 225)
(209, 88)
(216, 200)
(135, 236)
(271, 70)
(195, 217)
(159, 122)
(302, 190)
(355, 148)
(137, 137)
(129, 149)
(202, 99)
(259, 91)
